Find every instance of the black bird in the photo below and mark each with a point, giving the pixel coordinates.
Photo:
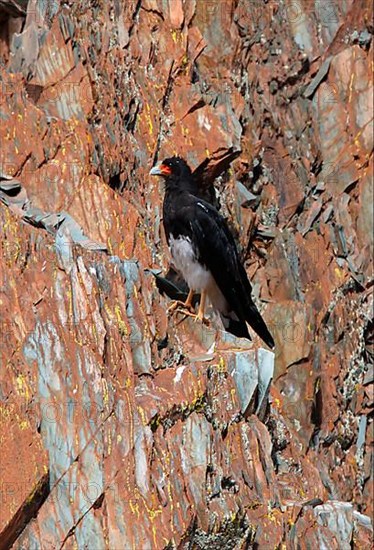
(204, 251)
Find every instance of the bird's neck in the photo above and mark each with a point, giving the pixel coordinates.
(177, 186)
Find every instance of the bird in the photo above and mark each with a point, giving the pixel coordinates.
(204, 252)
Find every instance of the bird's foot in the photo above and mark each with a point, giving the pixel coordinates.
(200, 317)
(195, 316)
(177, 306)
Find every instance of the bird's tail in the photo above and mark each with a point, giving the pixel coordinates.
(235, 326)
(254, 319)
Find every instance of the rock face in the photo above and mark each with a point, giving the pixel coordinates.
(119, 427)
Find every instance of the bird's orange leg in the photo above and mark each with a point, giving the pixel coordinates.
(186, 307)
(177, 305)
(188, 302)
(200, 313)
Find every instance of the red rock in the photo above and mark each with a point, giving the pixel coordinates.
(176, 14)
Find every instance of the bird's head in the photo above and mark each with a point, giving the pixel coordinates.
(173, 168)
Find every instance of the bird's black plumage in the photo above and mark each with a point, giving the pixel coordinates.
(199, 235)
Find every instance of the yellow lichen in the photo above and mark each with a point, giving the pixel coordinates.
(121, 323)
(142, 415)
(134, 506)
(108, 311)
(105, 391)
(23, 425)
(21, 387)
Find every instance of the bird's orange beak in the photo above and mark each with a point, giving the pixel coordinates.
(160, 170)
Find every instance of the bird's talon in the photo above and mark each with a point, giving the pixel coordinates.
(175, 306)
(203, 320)
(186, 312)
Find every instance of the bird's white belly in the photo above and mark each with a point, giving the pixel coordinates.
(196, 275)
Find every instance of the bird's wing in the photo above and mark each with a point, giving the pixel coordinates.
(217, 250)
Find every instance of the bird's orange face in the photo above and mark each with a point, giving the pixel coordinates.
(173, 166)
(161, 169)
(165, 169)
